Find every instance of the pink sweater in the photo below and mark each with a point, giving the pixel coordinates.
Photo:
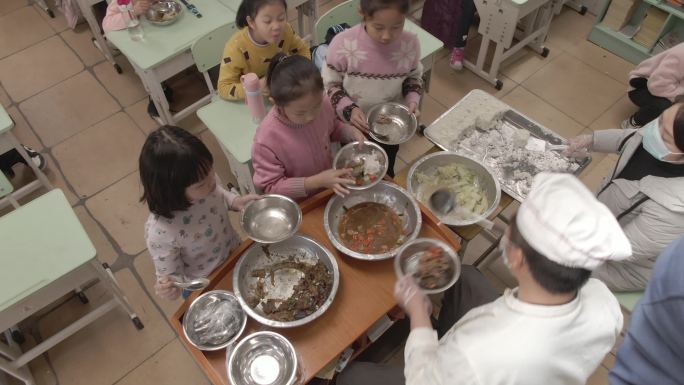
(361, 72)
(114, 20)
(665, 72)
(284, 153)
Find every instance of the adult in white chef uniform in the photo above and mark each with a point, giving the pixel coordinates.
(554, 328)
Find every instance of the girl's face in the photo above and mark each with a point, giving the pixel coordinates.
(385, 26)
(269, 24)
(305, 109)
(203, 188)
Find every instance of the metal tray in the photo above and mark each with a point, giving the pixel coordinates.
(510, 117)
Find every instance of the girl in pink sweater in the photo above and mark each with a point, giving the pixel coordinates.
(656, 82)
(291, 151)
(115, 19)
(374, 62)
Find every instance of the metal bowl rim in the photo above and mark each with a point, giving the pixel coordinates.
(290, 324)
(265, 196)
(428, 157)
(225, 344)
(414, 122)
(179, 12)
(277, 336)
(452, 254)
(375, 146)
(372, 257)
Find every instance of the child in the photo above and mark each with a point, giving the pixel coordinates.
(657, 82)
(374, 62)
(188, 232)
(291, 151)
(264, 32)
(115, 19)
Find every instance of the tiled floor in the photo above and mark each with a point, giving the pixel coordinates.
(90, 123)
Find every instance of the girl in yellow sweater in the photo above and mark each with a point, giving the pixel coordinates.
(264, 31)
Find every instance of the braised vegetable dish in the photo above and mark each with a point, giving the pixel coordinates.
(435, 269)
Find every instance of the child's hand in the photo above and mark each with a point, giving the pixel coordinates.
(333, 179)
(165, 288)
(239, 203)
(141, 6)
(358, 136)
(358, 120)
(413, 108)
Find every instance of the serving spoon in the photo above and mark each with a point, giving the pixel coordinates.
(193, 284)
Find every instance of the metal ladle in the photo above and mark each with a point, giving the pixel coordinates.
(193, 284)
(442, 202)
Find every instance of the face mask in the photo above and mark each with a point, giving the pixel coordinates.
(654, 144)
(503, 247)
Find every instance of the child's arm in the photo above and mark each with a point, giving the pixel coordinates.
(296, 45)
(412, 87)
(333, 77)
(232, 67)
(237, 202)
(269, 174)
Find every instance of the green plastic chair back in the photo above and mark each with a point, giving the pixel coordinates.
(629, 299)
(207, 51)
(6, 187)
(347, 12)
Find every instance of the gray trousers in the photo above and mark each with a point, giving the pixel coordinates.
(471, 290)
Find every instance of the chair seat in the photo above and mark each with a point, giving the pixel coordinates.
(39, 243)
(629, 299)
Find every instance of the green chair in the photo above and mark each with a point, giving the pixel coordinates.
(629, 299)
(230, 122)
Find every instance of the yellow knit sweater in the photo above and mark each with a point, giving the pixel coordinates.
(242, 55)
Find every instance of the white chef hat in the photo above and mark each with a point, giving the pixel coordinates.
(562, 220)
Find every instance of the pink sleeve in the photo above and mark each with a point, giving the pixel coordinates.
(333, 73)
(114, 20)
(665, 79)
(269, 174)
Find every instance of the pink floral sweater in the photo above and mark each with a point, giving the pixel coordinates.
(665, 72)
(115, 20)
(284, 153)
(361, 72)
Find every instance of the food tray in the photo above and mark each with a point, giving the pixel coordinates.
(478, 109)
(364, 296)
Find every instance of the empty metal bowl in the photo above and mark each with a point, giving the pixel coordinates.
(384, 192)
(353, 154)
(214, 320)
(263, 358)
(271, 219)
(429, 164)
(297, 248)
(164, 12)
(408, 259)
(399, 127)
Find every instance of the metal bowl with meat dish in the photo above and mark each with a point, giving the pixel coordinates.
(286, 284)
(263, 358)
(164, 12)
(214, 320)
(475, 189)
(434, 265)
(372, 224)
(391, 123)
(368, 162)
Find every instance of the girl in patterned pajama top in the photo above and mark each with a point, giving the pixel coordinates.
(188, 232)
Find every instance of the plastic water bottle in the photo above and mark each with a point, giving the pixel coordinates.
(135, 29)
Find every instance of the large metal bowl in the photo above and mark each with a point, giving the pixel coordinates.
(385, 193)
(164, 12)
(353, 153)
(430, 163)
(273, 218)
(402, 127)
(303, 249)
(263, 358)
(214, 320)
(409, 255)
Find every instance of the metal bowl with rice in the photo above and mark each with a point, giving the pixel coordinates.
(429, 166)
(368, 161)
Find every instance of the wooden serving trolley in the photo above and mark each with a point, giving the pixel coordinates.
(365, 295)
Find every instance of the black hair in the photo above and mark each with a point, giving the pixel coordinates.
(369, 7)
(251, 8)
(291, 77)
(678, 127)
(553, 277)
(171, 160)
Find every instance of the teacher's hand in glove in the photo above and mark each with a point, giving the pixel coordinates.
(579, 146)
(415, 303)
